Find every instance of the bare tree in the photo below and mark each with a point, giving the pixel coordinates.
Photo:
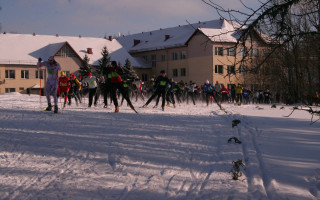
(293, 29)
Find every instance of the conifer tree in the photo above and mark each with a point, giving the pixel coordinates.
(85, 66)
(103, 62)
(128, 71)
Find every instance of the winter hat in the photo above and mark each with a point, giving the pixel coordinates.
(89, 74)
(162, 72)
(51, 58)
(62, 73)
(207, 82)
(114, 63)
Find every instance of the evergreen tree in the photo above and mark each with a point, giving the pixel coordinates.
(103, 62)
(85, 67)
(128, 71)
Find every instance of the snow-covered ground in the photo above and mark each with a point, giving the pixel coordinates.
(181, 153)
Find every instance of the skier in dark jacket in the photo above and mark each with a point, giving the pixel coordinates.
(107, 87)
(161, 85)
(170, 93)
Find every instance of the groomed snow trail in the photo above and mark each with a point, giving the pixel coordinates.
(93, 153)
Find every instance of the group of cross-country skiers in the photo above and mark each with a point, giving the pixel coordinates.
(114, 84)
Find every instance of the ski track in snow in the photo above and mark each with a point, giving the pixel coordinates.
(92, 153)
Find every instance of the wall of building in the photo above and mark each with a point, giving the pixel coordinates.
(200, 59)
(71, 64)
(20, 84)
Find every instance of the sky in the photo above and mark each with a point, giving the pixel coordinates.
(99, 18)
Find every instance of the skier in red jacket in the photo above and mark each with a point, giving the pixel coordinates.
(117, 84)
(225, 93)
(64, 86)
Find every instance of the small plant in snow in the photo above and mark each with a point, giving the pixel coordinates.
(273, 106)
(235, 122)
(236, 140)
(236, 170)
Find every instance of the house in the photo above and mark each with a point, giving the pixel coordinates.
(19, 55)
(196, 52)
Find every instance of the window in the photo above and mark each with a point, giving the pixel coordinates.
(231, 69)
(174, 56)
(10, 74)
(183, 55)
(265, 52)
(175, 72)
(231, 51)
(163, 58)
(25, 74)
(218, 69)
(8, 90)
(21, 88)
(145, 58)
(153, 60)
(219, 51)
(144, 77)
(254, 52)
(243, 69)
(243, 52)
(183, 72)
(39, 74)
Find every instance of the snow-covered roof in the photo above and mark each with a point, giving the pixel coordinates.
(27, 48)
(178, 36)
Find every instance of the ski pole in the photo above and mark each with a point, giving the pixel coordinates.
(39, 60)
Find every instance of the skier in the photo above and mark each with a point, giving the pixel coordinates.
(75, 89)
(239, 91)
(191, 88)
(161, 85)
(64, 86)
(53, 69)
(117, 84)
(209, 90)
(126, 89)
(107, 87)
(246, 95)
(225, 93)
(138, 87)
(92, 86)
(170, 94)
(267, 96)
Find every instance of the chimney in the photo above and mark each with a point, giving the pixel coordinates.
(166, 37)
(110, 38)
(34, 34)
(136, 42)
(89, 51)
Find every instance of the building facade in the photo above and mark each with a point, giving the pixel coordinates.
(19, 55)
(196, 52)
